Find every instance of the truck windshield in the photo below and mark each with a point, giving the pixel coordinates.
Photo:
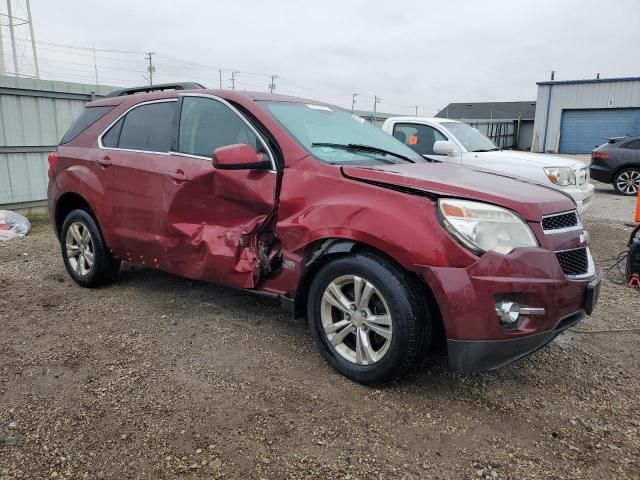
(337, 136)
(471, 138)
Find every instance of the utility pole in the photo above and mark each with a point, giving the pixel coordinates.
(33, 41)
(220, 72)
(376, 100)
(3, 70)
(353, 101)
(150, 68)
(272, 85)
(417, 110)
(95, 65)
(233, 79)
(12, 34)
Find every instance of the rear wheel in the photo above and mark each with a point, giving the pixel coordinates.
(627, 181)
(368, 318)
(85, 256)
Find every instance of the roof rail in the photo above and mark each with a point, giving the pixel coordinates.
(156, 88)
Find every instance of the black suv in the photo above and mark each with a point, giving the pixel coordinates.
(618, 162)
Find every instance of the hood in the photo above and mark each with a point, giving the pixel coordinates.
(529, 199)
(543, 160)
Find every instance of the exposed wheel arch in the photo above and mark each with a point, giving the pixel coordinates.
(320, 252)
(66, 204)
(623, 167)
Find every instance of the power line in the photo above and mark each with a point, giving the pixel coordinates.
(96, 54)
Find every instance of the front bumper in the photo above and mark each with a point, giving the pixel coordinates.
(532, 277)
(583, 196)
(472, 356)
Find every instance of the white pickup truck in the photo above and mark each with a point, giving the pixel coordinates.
(445, 140)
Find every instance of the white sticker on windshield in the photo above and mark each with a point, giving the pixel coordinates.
(319, 107)
(357, 118)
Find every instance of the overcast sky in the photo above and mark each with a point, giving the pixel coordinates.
(426, 53)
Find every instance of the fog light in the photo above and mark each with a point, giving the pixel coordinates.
(508, 312)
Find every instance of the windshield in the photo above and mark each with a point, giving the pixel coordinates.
(469, 137)
(338, 136)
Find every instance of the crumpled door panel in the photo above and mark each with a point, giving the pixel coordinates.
(214, 222)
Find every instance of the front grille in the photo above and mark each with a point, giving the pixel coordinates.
(574, 262)
(562, 220)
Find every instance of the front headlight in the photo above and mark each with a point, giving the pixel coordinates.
(482, 227)
(562, 176)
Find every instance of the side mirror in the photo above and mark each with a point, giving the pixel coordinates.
(444, 147)
(239, 157)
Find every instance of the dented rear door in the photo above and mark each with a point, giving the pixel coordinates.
(219, 222)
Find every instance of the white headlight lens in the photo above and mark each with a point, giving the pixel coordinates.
(562, 176)
(483, 227)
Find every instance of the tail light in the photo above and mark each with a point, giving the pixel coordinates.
(53, 158)
(601, 155)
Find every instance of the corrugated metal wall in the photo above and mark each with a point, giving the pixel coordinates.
(34, 115)
(554, 97)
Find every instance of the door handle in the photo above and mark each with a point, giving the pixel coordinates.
(178, 175)
(104, 162)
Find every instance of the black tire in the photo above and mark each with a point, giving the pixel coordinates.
(406, 302)
(104, 269)
(631, 174)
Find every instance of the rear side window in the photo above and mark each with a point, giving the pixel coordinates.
(147, 127)
(88, 117)
(418, 137)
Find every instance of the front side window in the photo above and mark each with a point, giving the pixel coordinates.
(88, 117)
(337, 136)
(147, 128)
(207, 124)
(418, 137)
(469, 137)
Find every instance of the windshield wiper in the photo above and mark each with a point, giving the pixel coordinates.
(362, 148)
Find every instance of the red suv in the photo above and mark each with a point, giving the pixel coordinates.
(311, 204)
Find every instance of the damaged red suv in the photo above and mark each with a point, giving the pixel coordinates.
(308, 203)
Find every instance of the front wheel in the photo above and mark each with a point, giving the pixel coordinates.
(368, 318)
(627, 181)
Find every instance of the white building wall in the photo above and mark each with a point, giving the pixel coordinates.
(34, 115)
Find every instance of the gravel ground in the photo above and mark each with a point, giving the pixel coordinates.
(159, 377)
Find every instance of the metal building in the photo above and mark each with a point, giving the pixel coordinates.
(34, 115)
(575, 116)
(507, 124)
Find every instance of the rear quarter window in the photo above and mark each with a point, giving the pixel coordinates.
(88, 117)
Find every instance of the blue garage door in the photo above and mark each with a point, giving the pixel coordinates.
(583, 130)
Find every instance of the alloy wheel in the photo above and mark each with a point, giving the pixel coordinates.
(628, 182)
(79, 246)
(356, 320)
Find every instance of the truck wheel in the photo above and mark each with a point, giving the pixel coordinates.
(85, 256)
(368, 318)
(627, 181)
